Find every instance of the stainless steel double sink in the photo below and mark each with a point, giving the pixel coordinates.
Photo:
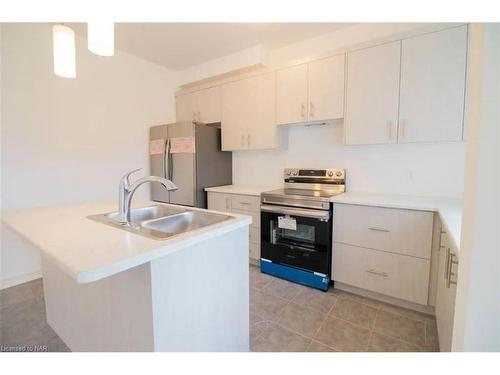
(161, 221)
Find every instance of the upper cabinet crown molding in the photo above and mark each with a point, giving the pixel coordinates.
(310, 92)
(433, 68)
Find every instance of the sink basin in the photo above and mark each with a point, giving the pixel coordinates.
(161, 221)
(148, 213)
(184, 222)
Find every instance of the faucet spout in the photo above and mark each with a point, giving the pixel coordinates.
(127, 190)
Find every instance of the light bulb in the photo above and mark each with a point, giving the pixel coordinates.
(101, 38)
(63, 39)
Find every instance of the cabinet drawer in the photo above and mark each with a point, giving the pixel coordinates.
(407, 232)
(254, 234)
(255, 217)
(395, 275)
(245, 202)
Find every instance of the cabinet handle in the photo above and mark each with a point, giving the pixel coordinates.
(227, 203)
(389, 129)
(303, 110)
(242, 141)
(450, 264)
(248, 141)
(311, 109)
(377, 273)
(402, 129)
(379, 229)
(199, 116)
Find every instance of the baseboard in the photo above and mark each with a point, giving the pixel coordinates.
(13, 281)
(429, 310)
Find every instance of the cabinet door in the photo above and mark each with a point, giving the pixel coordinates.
(235, 110)
(372, 94)
(261, 112)
(433, 86)
(219, 201)
(186, 107)
(291, 95)
(326, 88)
(209, 105)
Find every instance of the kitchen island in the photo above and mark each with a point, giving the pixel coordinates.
(107, 289)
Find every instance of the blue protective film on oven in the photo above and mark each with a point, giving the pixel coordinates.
(296, 275)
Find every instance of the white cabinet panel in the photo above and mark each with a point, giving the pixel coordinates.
(209, 105)
(186, 108)
(394, 275)
(372, 94)
(291, 95)
(433, 70)
(399, 231)
(446, 294)
(249, 113)
(326, 88)
(219, 201)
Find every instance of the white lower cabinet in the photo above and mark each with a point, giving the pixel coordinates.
(446, 292)
(395, 275)
(383, 250)
(243, 205)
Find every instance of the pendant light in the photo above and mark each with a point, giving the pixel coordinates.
(63, 39)
(101, 38)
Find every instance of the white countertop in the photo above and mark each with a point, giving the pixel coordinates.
(242, 189)
(449, 209)
(88, 250)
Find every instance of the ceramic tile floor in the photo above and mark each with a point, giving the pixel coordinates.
(290, 317)
(283, 317)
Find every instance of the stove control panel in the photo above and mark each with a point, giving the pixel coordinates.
(333, 174)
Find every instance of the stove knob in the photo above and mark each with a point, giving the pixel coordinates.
(330, 173)
(295, 173)
(288, 172)
(338, 174)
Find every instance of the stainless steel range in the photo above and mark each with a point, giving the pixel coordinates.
(296, 226)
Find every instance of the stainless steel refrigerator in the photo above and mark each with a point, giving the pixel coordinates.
(190, 155)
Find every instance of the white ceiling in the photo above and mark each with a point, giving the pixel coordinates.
(181, 45)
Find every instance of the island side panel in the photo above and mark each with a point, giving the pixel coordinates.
(112, 314)
(201, 296)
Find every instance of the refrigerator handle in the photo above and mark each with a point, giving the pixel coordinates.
(166, 164)
(170, 163)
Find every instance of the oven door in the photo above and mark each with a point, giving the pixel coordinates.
(297, 237)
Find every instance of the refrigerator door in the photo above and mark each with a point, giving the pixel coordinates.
(181, 164)
(158, 166)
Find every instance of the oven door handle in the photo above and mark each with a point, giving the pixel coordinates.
(315, 214)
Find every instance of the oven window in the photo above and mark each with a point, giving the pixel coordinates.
(304, 237)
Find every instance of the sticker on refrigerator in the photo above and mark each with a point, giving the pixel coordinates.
(182, 145)
(287, 222)
(156, 146)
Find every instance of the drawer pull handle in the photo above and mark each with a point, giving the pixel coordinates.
(246, 203)
(379, 229)
(378, 273)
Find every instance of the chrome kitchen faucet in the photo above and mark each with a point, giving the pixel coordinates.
(127, 190)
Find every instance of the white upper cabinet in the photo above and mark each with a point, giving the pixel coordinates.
(433, 70)
(291, 95)
(186, 108)
(200, 106)
(326, 88)
(209, 105)
(249, 114)
(310, 92)
(371, 115)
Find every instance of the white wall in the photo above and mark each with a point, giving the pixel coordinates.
(434, 169)
(477, 310)
(70, 140)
